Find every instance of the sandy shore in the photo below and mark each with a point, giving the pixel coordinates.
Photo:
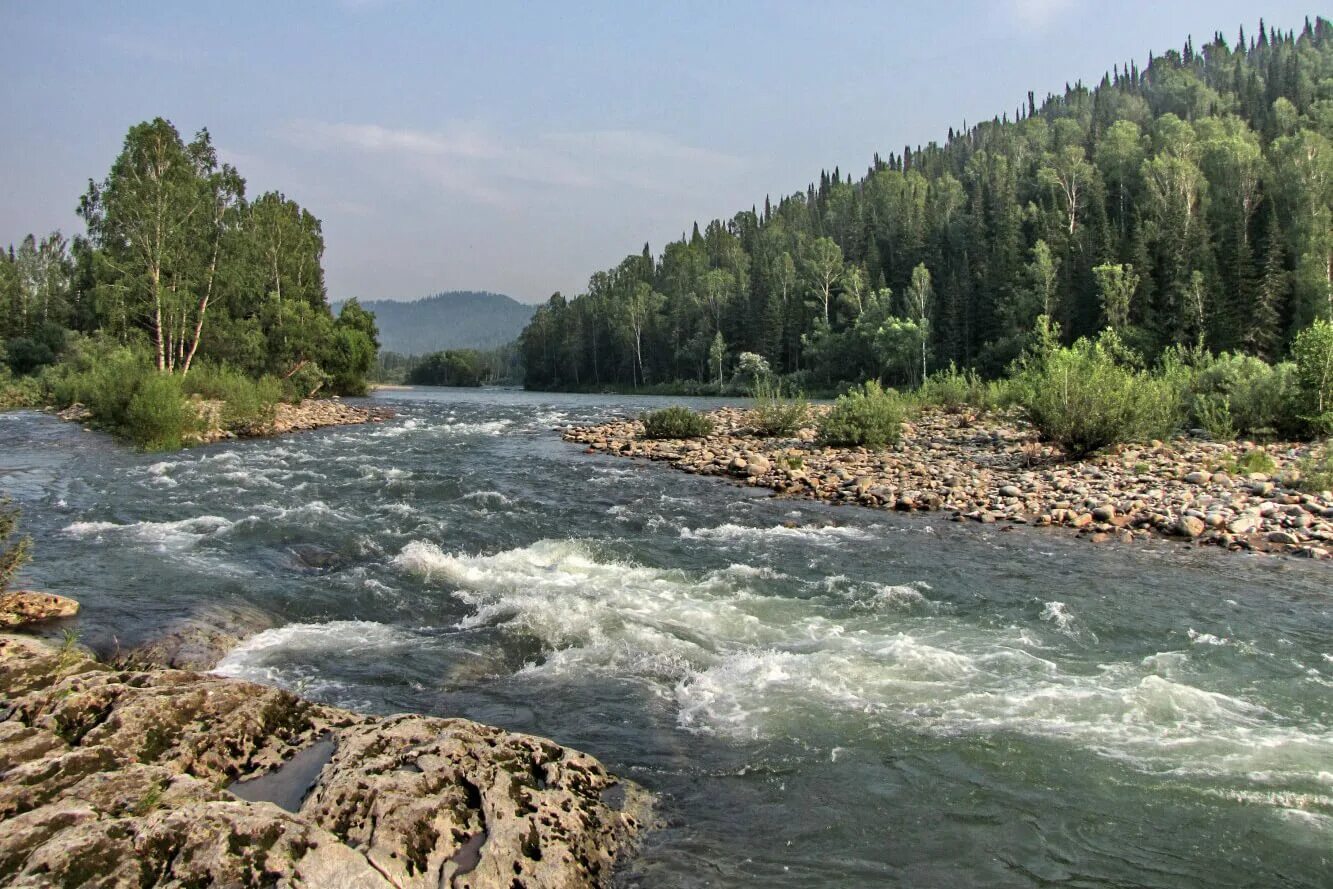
(994, 469)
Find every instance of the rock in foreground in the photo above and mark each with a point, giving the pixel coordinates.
(21, 608)
(115, 778)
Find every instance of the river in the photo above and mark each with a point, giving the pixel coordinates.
(821, 696)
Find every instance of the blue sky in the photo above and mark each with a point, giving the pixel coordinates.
(519, 147)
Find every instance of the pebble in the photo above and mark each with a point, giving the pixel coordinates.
(994, 468)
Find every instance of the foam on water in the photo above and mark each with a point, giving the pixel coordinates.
(738, 662)
(810, 534)
(288, 656)
(166, 535)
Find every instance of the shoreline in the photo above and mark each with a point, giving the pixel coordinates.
(164, 776)
(992, 469)
(308, 415)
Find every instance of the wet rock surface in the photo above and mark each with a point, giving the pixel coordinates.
(120, 777)
(994, 468)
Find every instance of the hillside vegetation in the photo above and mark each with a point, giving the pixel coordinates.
(1184, 204)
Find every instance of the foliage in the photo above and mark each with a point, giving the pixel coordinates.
(751, 370)
(1189, 200)
(157, 417)
(178, 270)
(778, 412)
(1317, 469)
(14, 552)
(1234, 395)
(1089, 395)
(351, 351)
(304, 382)
(1313, 354)
(676, 421)
(247, 403)
(126, 394)
(455, 367)
(867, 415)
(1255, 460)
(18, 392)
(953, 391)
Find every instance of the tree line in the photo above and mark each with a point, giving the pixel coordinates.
(178, 263)
(1185, 203)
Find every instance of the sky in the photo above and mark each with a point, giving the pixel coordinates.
(520, 147)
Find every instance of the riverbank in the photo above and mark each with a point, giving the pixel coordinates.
(993, 469)
(309, 414)
(125, 775)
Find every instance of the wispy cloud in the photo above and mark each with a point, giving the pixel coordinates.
(477, 162)
(1039, 14)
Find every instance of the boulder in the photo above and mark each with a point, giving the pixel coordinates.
(1189, 526)
(124, 778)
(22, 608)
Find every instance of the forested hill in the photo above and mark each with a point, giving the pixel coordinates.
(458, 319)
(1188, 199)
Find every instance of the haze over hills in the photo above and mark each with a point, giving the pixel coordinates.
(456, 319)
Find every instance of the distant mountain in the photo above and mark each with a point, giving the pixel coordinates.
(458, 319)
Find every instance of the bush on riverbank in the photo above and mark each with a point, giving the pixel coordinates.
(126, 395)
(13, 553)
(676, 421)
(246, 403)
(157, 417)
(1089, 396)
(1317, 469)
(778, 413)
(17, 393)
(1313, 354)
(867, 416)
(1235, 395)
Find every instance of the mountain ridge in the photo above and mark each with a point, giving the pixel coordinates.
(450, 319)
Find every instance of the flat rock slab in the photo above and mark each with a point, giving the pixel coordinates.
(21, 608)
(119, 777)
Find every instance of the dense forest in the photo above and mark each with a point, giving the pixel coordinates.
(177, 269)
(1187, 202)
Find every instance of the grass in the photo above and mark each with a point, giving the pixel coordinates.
(676, 421)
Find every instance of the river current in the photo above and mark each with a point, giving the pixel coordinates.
(820, 696)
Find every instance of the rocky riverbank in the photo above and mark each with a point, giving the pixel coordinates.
(993, 469)
(135, 776)
(312, 413)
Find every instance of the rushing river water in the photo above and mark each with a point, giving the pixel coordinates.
(820, 696)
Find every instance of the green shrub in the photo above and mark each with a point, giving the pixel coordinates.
(1317, 469)
(676, 421)
(867, 416)
(776, 413)
(13, 554)
(308, 379)
(1212, 413)
(18, 392)
(103, 376)
(1257, 460)
(1313, 353)
(246, 403)
(158, 417)
(1088, 396)
(953, 390)
(1236, 395)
